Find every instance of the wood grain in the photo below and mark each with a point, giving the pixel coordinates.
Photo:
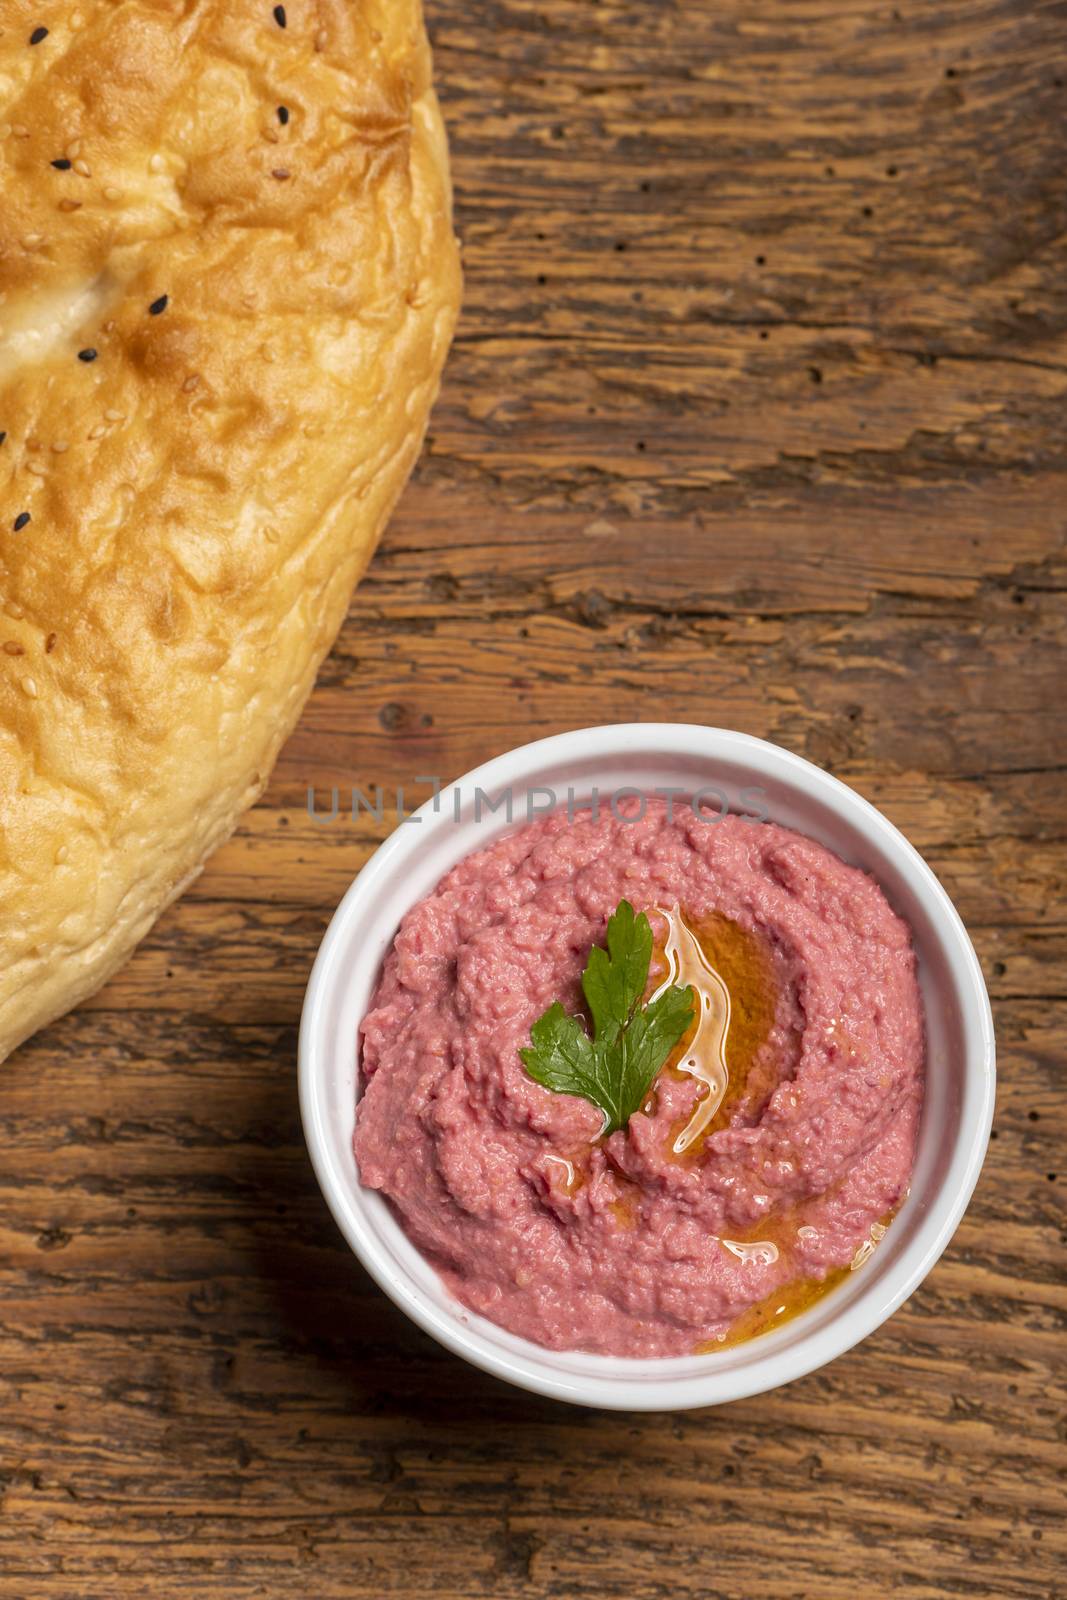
(757, 416)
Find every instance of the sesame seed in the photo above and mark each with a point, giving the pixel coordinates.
(156, 163)
(322, 39)
(74, 149)
(20, 130)
(32, 240)
(191, 382)
(3, 436)
(36, 468)
(30, 688)
(281, 173)
(12, 648)
(283, 115)
(279, 16)
(61, 446)
(21, 521)
(111, 193)
(70, 205)
(13, 609)
(115, 416)
(61, 855)
(158, 306)
(83, 169)
(38, 34)
(50, 644)
(61, 164)
(99, 431)
(86, 355)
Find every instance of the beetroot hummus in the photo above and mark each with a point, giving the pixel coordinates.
(684, 1227)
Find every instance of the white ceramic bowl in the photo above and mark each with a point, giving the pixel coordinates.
(960, 1053)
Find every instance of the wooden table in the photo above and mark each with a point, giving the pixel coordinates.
(757, 415)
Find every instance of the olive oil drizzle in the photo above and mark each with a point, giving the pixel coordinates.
(693, 955)
(790, 1299)
(773, 1310)
(704, 1058)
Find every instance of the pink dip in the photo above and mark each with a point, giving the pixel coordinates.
(628, 1256)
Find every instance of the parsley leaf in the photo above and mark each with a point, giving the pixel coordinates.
(615, 1068)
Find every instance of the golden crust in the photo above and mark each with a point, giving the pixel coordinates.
(204, 492)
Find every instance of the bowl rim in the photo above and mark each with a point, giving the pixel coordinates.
(534, 1371)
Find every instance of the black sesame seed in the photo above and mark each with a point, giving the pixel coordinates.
(38, 34)
(283, 115)
(279, 16)
(61, 164)
(86, 355)
(21, 521)
(3, 436)
(158, 305)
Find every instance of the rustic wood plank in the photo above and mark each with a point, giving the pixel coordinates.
(757, 415)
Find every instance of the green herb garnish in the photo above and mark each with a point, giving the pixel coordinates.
(615, 1068)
